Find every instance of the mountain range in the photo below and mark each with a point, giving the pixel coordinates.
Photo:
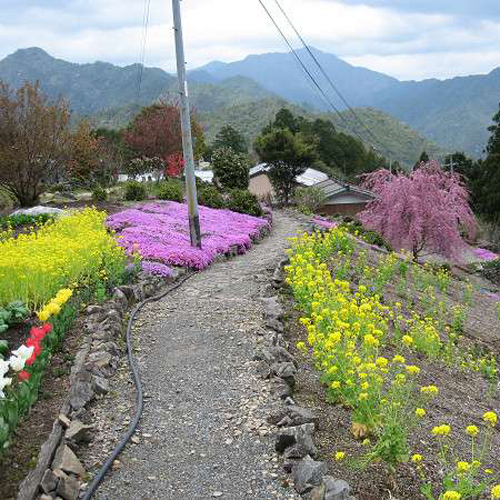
(454, 113)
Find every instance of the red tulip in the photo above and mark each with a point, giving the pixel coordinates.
(23, 375)
(47, 327)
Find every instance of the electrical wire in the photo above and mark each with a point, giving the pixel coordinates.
(138, 384)
(325, 74)
(304, 67)
(142, 52)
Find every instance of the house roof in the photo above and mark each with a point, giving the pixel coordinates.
(333, 187)
(310, 177)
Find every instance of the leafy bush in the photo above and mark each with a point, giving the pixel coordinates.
(309, 199)
(135, 191)
(13, 313)
(209, 196)
(231, 170)
(99, 194)
(244, 202)
(170, 190)
(14, 221)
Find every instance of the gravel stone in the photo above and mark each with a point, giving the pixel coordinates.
(194, 349)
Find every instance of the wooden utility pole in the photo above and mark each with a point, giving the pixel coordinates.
(187, 143)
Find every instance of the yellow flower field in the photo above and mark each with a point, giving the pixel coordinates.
(34, 267)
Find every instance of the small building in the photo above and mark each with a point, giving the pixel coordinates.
(260, 185)
(343, 198)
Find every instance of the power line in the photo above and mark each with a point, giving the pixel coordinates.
(317, 86)
(142, 52)
(315, 59)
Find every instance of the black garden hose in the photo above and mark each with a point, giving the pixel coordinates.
(138, 384)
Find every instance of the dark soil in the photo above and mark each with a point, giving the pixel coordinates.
(463, 397)
(35, 428)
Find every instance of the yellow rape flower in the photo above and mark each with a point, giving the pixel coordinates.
(416, 458)
(420, 412)
(472, 430)
(490, 417)
(339, 455)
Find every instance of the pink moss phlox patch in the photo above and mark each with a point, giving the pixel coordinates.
(160, 232)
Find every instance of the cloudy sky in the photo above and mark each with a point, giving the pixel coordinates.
(408, 39)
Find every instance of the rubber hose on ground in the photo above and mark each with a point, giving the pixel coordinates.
(138, 384)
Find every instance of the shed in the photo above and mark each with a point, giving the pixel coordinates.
(260, 185)
(343, 198)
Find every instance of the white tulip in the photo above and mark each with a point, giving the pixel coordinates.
(23, 352)
(17, 363)
(4, 382)
(4, 367)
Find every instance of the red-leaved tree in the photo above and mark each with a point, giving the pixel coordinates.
(175, 165)
(427, 209)
(156, 132)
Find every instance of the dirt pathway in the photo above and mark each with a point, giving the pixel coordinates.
(202, 434)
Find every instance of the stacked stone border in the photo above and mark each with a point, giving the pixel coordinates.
(295, 426)
(59, 473)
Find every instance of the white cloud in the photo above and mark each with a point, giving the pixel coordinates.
(404, 43)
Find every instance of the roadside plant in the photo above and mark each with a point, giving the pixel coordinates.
(464, 477)
(309, 199)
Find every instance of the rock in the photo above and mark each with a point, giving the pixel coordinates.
(285, 371)
(307, 474)
(293, 413)
(100, 359)
(263, 369)
(280, 354)
(81, 389)
(336, 489)
(79, 432)
(100, 384)
(120, 298)
(38, 210)
(301, 435)
(277, 277)
(264, 355)
(317, 493)
(114, 315)
(94, 309)
(49, 481)
(128, 292)
(272, 308)
(67, 461)
(275, 325)
(45, 497)
(217, 494)
(281, 390)
(65, 421)
(68, 488)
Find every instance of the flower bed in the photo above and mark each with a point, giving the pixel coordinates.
(35, 266)
(160, 233)
(52, 271)
(367, 346)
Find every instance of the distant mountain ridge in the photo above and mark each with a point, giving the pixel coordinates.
(454, 112)
(108, 95)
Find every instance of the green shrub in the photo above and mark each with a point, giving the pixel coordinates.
(99, 194)
(231, 170)
(243, 201)
(170, 190)
(15, 221)
(135, 191)
(209, 196)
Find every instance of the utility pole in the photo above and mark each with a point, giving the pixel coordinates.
(187, 144)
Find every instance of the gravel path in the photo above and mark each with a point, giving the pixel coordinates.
(203, 433)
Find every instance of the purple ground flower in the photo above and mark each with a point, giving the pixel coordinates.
(156, 268)
(160, 231)
(484, 254)
(321, 221)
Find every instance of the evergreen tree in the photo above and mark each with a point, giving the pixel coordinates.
(288, 156)
(229, 137)
(486, 184)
